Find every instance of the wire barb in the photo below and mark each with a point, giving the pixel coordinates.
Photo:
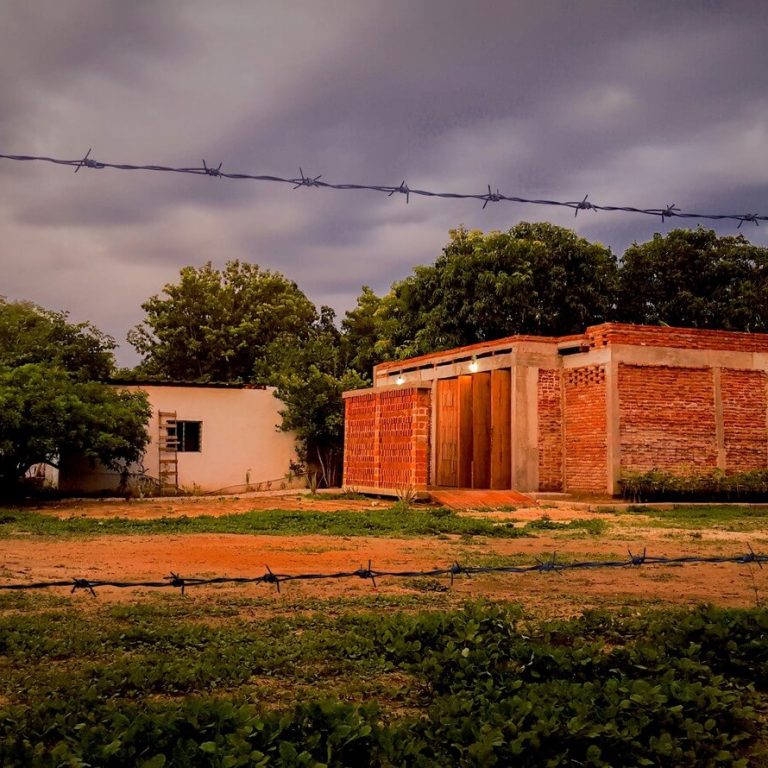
(403, 189)
(749, 217)
(637, 559)
(583, 205)
(82, 584)
(176, 581)
(307, 181)
(366, 573)
(456, 569)
(669, 211)
(751, 557)
(549, 565)
(86, 162)
(211, 171)
(270, 578)
(492, 197)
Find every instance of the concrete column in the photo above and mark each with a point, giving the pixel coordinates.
(613, 427)
(525, 427)
(432, 473)
(719, 424)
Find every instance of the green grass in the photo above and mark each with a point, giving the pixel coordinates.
(728, 517)
(590, 526)
(394, 522)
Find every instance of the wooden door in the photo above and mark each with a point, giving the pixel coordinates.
(466, 429)
(481, 418)
(501, 423)
(447, 432)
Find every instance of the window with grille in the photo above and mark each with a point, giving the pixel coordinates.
(189, 436)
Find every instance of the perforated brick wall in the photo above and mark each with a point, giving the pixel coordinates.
(387, 439)
(744, 419)
(666, 418)
(550, 430)
(586, 445)
(361, 455)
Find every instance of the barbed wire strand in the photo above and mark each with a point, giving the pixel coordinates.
(551, 565)
(667, 211)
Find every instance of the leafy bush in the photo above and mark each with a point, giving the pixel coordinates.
(660, 485)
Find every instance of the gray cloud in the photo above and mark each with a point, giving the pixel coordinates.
(642, 103)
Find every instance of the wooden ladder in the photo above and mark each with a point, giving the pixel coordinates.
(168, 452)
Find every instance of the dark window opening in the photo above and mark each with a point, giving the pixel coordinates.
(188, 434)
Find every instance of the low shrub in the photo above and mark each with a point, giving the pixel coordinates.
(666, 688)
(660, 485)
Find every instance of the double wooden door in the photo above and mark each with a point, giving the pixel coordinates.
(473, 431)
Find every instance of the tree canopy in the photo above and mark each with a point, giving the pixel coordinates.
(310, 377)
(362, 332)
(31, 334)
(50, 404)
(695, 278)
(46, 414)
(535, 278)
(214, 325)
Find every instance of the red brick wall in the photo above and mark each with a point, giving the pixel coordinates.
(586, 445)
(678, 338)
(744, 419)
(361, 454)
(666, 418)
(550, 430)
(387, 439)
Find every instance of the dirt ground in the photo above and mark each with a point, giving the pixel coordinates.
(142, 557)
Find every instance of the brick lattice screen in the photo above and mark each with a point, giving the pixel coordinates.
(586, 447)
(387, 439)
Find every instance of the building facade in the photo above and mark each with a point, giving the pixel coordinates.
(566, 414)
(202, 438)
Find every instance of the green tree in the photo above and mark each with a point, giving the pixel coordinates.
(310, 377)
(214, 325)
(50, 406)
(533, 279)
(31, 334)
(362, 333)
(47, 415)
(695, 278)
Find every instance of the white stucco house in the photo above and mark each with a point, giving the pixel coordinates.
(203, 438)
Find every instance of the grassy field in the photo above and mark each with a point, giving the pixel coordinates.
(729, 517)
(394, 521)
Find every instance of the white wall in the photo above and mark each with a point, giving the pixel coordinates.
(239, 440)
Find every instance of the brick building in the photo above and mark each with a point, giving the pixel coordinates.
(562, 414)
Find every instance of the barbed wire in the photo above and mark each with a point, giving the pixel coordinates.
(551, 565)
(667, 211)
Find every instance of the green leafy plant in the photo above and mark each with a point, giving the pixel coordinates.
(715, 485)
(160, 684)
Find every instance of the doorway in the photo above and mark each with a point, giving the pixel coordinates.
(473, 434)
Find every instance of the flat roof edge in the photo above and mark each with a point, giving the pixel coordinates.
(385, 388)
(188, 384)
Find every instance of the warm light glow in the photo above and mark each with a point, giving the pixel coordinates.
(473, 365)
(400, 380)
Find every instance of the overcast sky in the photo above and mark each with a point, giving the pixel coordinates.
(634, 102)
